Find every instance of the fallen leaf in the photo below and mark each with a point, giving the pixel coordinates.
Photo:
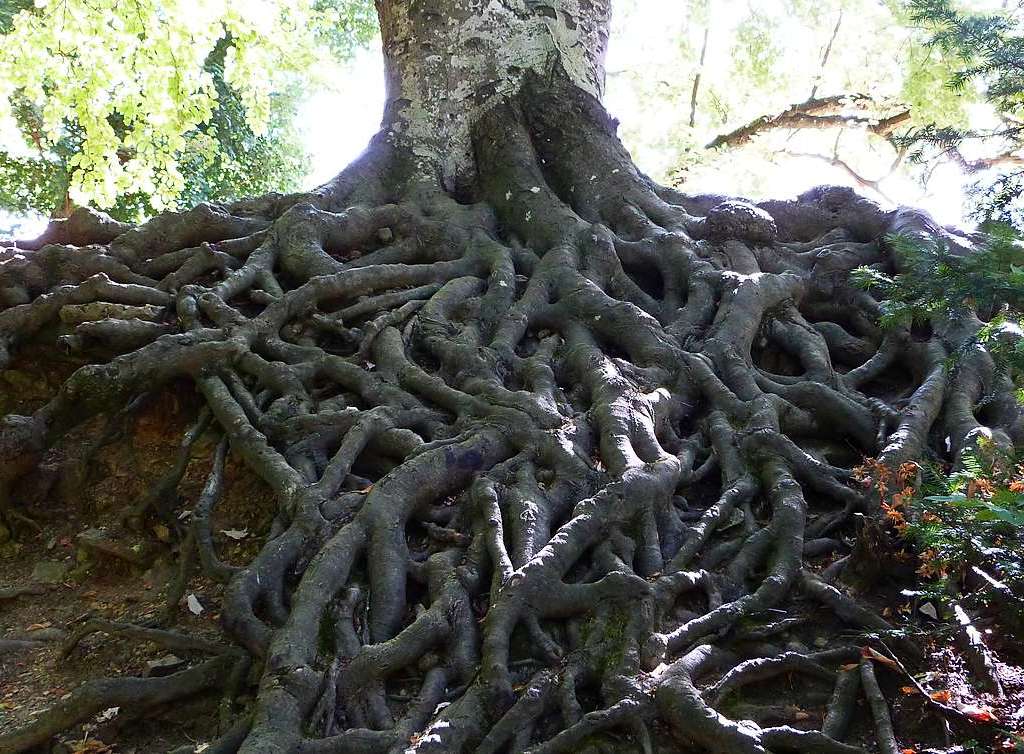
(194, 604)
(162, 533)
(941, 696)
(39, 626)
(979, 714)
(90, 746)
(108, 714)
(850, 666)
(235, 533)
(872, 654)
(929, 609)
(908, 690)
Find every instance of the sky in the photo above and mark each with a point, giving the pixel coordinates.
(338, 124)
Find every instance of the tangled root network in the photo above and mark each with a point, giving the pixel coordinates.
(552, 451)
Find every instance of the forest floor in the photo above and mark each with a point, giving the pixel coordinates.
(120, 575)
(127, 575)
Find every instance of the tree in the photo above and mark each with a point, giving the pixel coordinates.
(556, 452)
(741, 117)
(989, 50)
(136, 107)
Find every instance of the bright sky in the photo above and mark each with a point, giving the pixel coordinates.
(338, 124)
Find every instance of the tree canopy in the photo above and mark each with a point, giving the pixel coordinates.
(136, 106)
(851, 89)
(890, 94)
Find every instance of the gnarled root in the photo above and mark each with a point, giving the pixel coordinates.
(552, 461)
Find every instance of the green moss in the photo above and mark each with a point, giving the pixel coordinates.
(615, 640)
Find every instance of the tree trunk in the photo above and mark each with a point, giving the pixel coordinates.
(449, 62)
(548, 442)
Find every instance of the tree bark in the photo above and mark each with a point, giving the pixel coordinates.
(448, 61)
(548, 441)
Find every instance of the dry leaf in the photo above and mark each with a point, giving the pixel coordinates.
(908, 690)
(929, 609)
(194, 605)
(39, 626)
(235, 533)
(108, 714)
(90, 746)
(162, 533)
(872, 654)
(979, 714)
(941, 696)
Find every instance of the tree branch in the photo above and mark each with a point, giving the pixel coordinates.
(820, 113)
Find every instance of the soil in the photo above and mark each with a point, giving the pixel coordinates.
(100, 585)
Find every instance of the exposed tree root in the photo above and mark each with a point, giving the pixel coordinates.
(552, 452)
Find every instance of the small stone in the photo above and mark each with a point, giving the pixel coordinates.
(163, 666)
(821, 641)
(49, 571)
(385, 235)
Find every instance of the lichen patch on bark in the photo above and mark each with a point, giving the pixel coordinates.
(448, 61)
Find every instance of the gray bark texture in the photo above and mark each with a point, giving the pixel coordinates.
(553, 447)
